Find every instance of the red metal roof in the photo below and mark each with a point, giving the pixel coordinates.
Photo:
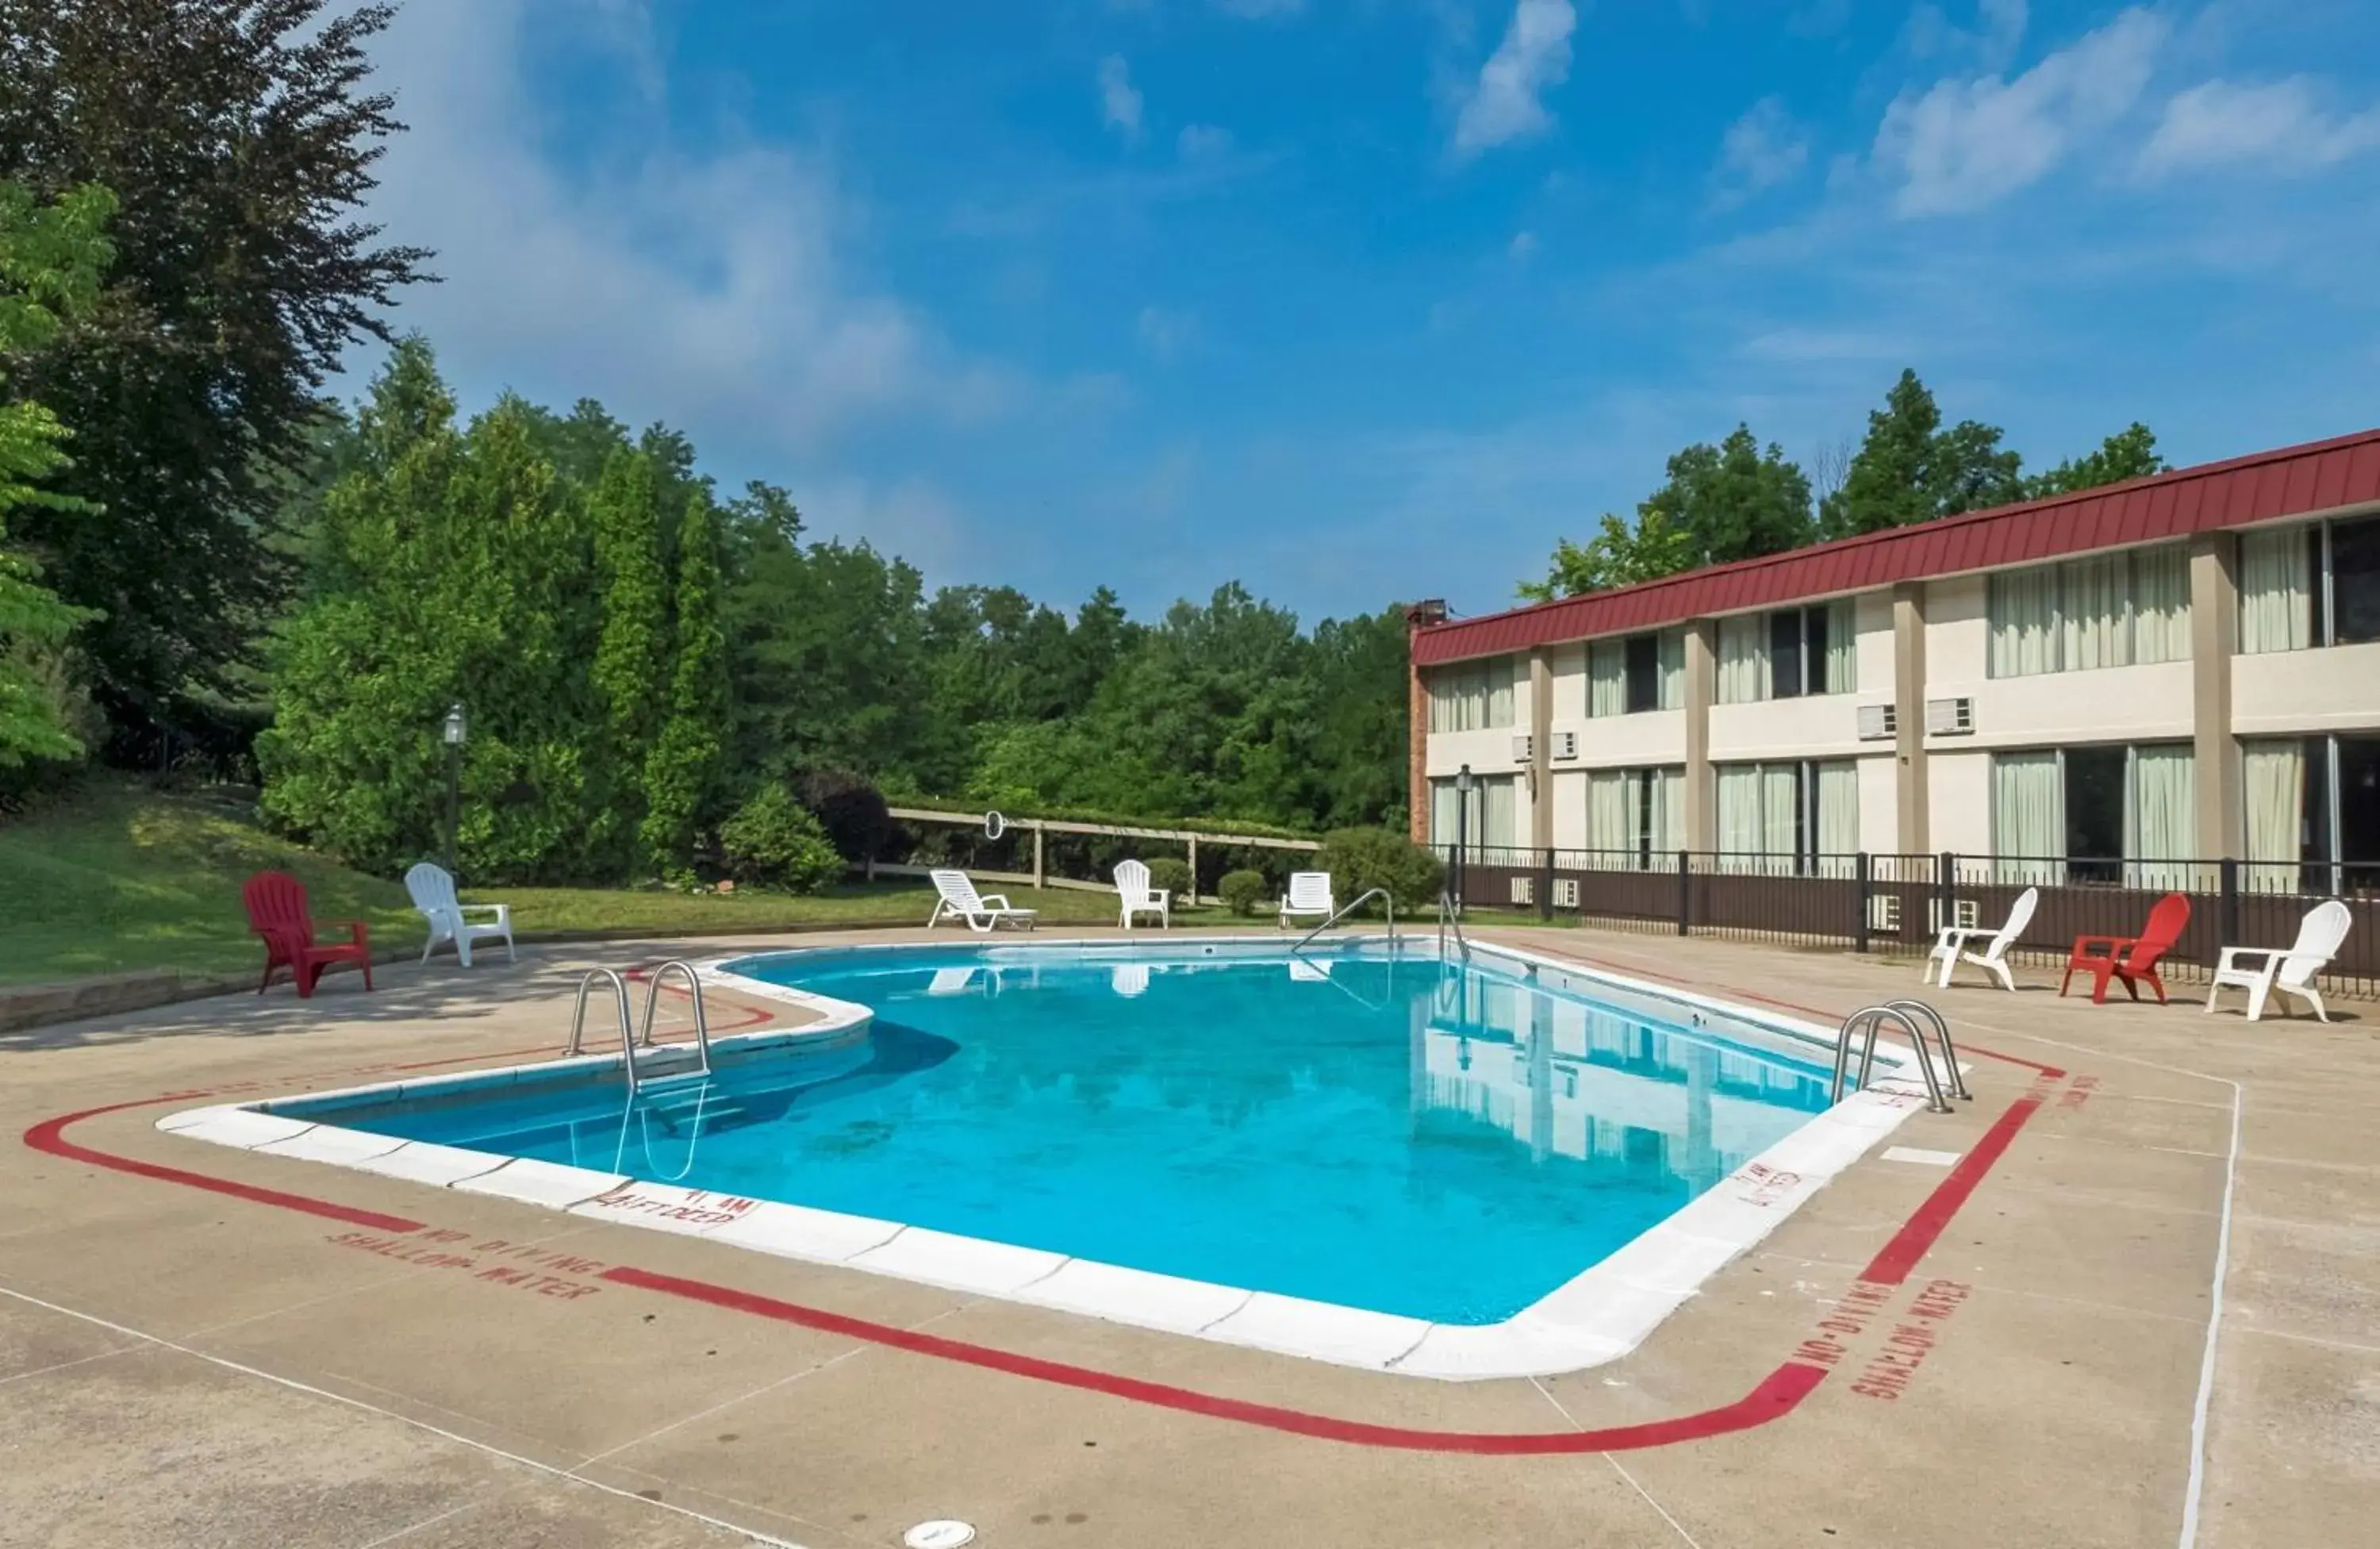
(2318, 476)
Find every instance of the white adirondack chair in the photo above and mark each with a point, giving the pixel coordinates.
(1951, 949)
(982, 913)
(1134, 895)
(1309, 898)
(450, 919)
(2291, 972)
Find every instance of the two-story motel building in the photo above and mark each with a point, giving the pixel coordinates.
(2185, 667)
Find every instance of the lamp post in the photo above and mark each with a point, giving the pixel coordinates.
(1464, 784)
(456, 728)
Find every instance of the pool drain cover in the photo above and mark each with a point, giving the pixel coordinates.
(939, 1535)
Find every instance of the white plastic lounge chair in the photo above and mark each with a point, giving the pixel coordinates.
(433, 895)
(1309, 898)
(1951, 949)
(2291, 972)
(1135, 897)
(952, 981)
(982, 913)
(1129, 979)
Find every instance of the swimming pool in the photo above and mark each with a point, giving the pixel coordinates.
(1161, 1134)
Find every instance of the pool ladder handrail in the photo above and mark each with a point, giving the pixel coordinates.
(1869, 1018)
(631, 1039)
(1451, 913)
(1370, 894)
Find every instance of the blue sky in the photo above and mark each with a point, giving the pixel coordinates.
(1360, 301)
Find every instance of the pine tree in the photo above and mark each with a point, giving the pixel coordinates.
(681, 774)
(631, 667)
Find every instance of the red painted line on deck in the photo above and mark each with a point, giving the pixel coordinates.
(1897, 1258)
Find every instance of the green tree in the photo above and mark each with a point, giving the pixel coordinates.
(51, 259)
(239, 142)
(2131, 453)
(1724, 503)
(631, 666)
(682, 774)
(1910, 470)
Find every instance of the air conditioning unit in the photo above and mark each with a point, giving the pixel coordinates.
(1963, 915)
(1565, 744)
(1524, 890)
(1884, 912)
(1524, 746)
(1565, 892)
(1878, 723)
(1949, 717)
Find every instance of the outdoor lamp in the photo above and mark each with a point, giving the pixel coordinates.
(458, 725)
(1462, 781)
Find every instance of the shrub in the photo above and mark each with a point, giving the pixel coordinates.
(776, 841)
(1361, 859)
(852, 813)
(1173, 876)
(1246, 892)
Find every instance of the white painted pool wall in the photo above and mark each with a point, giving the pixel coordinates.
(1596, 1317)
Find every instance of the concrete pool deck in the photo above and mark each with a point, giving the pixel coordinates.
(206, 1346)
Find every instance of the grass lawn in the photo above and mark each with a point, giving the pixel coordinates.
(120, 877)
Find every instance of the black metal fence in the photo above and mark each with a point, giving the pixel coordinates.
(1900, 903)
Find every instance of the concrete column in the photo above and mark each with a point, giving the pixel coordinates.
(1541, 748)
(2214, 638)
(1419, 616)
(1702, 683)
(1910, 800)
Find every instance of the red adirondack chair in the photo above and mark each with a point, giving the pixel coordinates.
(2130, 958)
(276, 910)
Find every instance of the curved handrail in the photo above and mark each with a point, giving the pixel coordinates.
(694, 992)
(1450, 912)
(1956, 1080)
(1871, 1018)
(1364, 897)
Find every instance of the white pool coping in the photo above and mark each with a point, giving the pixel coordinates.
(1597, 1316)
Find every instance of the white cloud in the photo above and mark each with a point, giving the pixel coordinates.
(1198, 141)
(1119, 99)
(2221, 124)
(1523, 246)
(1967, 142)
(716, 290)
(1505, 105)
(1759, 150)
(912, 517)
(1165, 333)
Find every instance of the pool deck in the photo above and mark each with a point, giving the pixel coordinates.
(200, 1345)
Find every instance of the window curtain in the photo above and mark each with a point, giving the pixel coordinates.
(1673, 650)
(1839, 831)
(2028, 815)
(1499, 803)
(1500, 691)
(1780, 809)
(1842, 649)
(2161, 605)
(2275, 781)
(1610, 819)
(2095, 630)
(1668, 811)
(2275, 601)
(1743, 659)
(1739, 816)
(2022, 609)
(1441, 813)
(2161, 819)
(1606, 678)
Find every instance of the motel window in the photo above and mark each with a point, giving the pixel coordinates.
(2313, 815)
(1787, 654)
(2104, 813)
(1797, 818)
(1636, 673)
(1634, 818)
(1491, 822)
(2130, 608)
(1472, 696)
(2315, 584)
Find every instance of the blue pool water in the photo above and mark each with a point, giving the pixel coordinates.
(1448, 1143)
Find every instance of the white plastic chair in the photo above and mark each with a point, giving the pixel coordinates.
(1129, 979)
(1135, 897)
(982, 913)
(952, 981)
(450, 919)
(1309, 898)
(1951, 948)
(2291, 972)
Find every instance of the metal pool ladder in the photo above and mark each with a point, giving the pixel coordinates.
(1908, 1014)
(630, 1040)
(1380, 893)
(1450, 914)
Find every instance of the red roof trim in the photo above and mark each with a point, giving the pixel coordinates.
(2290, 481)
